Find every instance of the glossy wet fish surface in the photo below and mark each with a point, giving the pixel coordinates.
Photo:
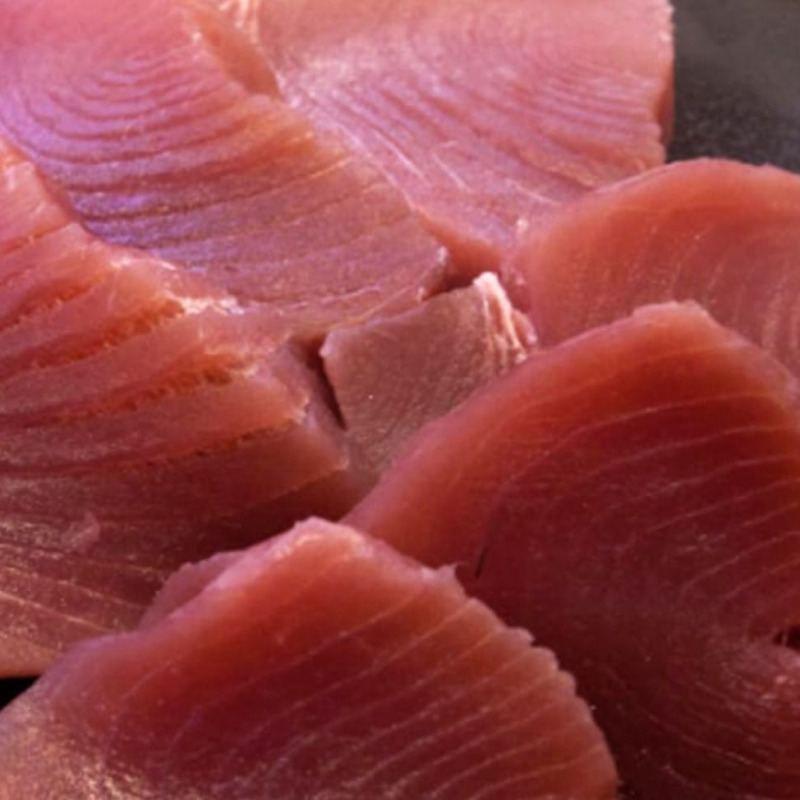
(399, 400)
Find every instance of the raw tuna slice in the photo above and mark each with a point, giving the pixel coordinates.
(391, 376)
(167, 134)
(320, 664)
(724, 234)
(633, 498)
(144, 420)
(481, 112)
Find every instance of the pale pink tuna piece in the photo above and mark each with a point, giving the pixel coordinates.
(724, 234)
(631, 496)
(483, 113)
(319, 665)
(145, 420)
(166, 133)
(392, 376)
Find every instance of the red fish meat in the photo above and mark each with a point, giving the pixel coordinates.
(320, 664)
(166, 133)
(483, 113)
(723, 234)
(391, 376)
(631, 497)
(145, 420)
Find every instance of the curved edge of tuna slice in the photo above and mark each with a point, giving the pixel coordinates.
(631, 497)
(721, 233)
(484, 114)
(164, 129)
(391, 376)
(145, 420)
(321, 663)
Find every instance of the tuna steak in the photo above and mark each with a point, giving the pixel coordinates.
(318, 665)
(483, 113)
(632, 497)
(144, 420)
(391, 376)
(726, 235)
(167, 134)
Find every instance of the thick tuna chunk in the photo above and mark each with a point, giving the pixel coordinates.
(484, 112)
(166, 133)
(145, 420)
(723, 234)
(319, 665)
(392, 376)
(631, 496)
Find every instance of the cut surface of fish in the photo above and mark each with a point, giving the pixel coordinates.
(631, 497)
(319, 665)
(392, 376)
(723, 234)
(483, 113)
(145, 420)
(166, 133)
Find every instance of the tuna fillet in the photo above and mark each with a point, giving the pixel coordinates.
(144, 420)
(320, 664)
(726, 235)
(391, 376)
(483, 113)
(631, 497)
(167, 134)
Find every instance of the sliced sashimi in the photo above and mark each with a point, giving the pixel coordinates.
(483, 113)
(391, 376)
(631, 496)
(145, 420)
(166, 133)
(723, 234)
(320, 664)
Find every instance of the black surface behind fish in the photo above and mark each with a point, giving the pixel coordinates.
(738, 80)
(11, 687)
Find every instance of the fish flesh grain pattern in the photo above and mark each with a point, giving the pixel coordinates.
(320, 664)
(631, 497)
(165, 132)
(484, 114)
(145, 420)
(723, 234)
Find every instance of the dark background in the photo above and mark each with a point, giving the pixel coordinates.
(9, 689)
(737, 94)
(738, 80)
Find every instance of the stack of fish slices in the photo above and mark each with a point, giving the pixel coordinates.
(242, 251)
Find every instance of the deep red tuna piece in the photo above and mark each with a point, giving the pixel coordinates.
(144, 420)
(166, 133)
(631, 496)
(391, 376)
(724, 234)
(320, 664)
(483, 113)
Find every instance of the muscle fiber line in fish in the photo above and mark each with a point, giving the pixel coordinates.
(320, 664)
